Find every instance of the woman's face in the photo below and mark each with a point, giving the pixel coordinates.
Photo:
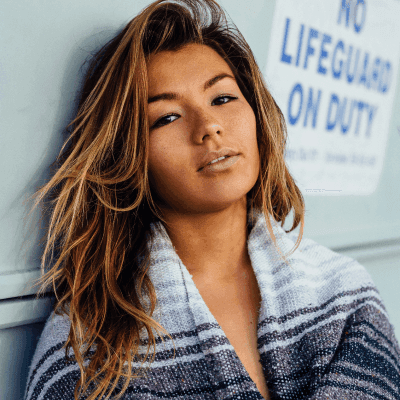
(192, 120)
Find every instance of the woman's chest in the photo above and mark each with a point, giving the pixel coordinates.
(235, 307)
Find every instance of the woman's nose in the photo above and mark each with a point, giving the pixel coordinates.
(207, 125)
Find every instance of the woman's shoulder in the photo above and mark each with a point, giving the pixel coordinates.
(317, 260)
(311, 273)
(53, 336)
(321, 278)
(49, 363)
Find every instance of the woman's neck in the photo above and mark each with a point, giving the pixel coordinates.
(211, 246)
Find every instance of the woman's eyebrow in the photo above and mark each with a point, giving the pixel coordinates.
(175, 96)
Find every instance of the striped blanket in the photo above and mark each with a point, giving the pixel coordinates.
(323, 332)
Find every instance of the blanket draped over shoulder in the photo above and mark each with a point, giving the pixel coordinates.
(323, 332)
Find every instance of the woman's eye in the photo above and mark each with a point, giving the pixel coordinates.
(164, 120)
(225, 97)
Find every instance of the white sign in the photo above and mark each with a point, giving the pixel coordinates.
(332, 69)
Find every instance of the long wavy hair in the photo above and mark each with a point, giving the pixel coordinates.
(100, 202)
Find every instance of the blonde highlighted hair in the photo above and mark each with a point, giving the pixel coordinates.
(100, 200)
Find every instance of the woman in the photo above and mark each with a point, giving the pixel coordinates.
(165, 211)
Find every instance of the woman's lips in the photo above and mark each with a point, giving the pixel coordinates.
(221, 165)
(213, 155)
